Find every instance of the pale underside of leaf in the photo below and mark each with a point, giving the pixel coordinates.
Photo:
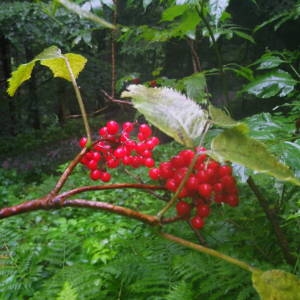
(170, 111)
(233, 145)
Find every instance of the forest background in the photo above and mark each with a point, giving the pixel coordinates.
(239, 55)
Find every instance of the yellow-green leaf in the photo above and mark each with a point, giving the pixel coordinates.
(59, 68)
(234, 145)
(19, 76)
(221, 118)
(171, 112)
(276, 285)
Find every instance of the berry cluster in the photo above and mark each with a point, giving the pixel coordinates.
(115, 147)
(209, 182)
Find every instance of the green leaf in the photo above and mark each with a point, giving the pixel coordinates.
(276, 284)
(68, 292)
(234, 145)
(54, 60)
(244, 36)
(271, 84)
(19, 76)
(269, 62)
(59, 68)
(221, 118)
(171, 112)
(85, 14)
(195, 87)
(173, 12)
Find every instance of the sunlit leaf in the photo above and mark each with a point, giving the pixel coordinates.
(54, 60)
(19, 76)
(276, 284)
(271, 84)
(170, 111)
(234, 145)
(59, 67)
(173, 12)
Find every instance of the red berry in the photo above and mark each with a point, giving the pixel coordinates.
(192, 183)
(225, 170)
(171, 185)
(165, 169)
(105, 176)
(112, 127)
(152, 142)
(95, 174)
(205, 190)
(149, 162)
(154, 173)
(145, 130)
(203, 210)
(92, 164)
(183, 208)
(103, 131)
(120, 152)
(197, 222)
(82, 142)
(232, 200)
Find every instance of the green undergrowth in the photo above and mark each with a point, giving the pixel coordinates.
(85, 254)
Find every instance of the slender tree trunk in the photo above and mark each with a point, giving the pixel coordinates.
(6, 66)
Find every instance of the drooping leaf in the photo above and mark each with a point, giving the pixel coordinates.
(59, 67)
(85, 14)
(276, 284)
(277, 82)
(170, 111)
(54, 60)
(234, 145)
(19, 76)
(221, 118)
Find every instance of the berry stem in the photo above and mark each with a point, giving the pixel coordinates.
(80, 101)
(186, 176)
(209, 251)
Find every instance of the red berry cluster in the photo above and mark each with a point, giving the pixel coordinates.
(115, 147)
(209, 182)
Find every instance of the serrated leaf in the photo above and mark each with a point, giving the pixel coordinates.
(171, 112)
(276, 284)
(19, 76)
(234, 145)
(53, 59)
(59, 68)
(221, 118)
(274, 83)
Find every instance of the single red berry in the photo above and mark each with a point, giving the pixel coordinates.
(82, 142)
(192, 183)
(232, 200)
(95, 174)
(145, 130)
(120, 152)
(218, 187)
(92, 164)
(149, 162)
(171, 185)
(197, 222)
(203, 210)
(219, 198)
(105, 177)
(177, 161)
(205, 190)
(225, 170)
(127, 127)
(165, 169)
(154, 173)
(112, 163)
(112, 127)
(152, 142)
(183, 208)
(187, 155)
